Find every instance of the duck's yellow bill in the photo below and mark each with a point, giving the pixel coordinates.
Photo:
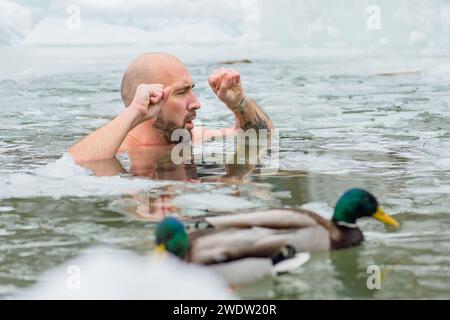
(386, 219)
(160, 248)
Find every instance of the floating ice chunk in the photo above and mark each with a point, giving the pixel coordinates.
(217, 202)
(64, 178)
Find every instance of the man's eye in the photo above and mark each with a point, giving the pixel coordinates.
(182, 92)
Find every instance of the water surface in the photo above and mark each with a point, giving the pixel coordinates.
(341, 125)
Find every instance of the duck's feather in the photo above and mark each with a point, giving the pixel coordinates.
(251, 269)
(244, 270)
(221, 245)
(273, 218)
(289, 265)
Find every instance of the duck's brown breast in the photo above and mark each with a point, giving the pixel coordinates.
(345, 237)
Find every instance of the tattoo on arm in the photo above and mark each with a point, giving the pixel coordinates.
(259, 121)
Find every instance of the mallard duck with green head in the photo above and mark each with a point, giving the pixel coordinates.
(270, 236)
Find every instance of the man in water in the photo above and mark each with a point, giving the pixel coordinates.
(157, 91)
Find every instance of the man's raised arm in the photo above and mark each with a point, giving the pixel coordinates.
(227, 85)
(106, 141)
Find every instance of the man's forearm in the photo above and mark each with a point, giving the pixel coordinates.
(250, 116)
(105, 142)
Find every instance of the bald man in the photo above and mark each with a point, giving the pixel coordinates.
(157, 91)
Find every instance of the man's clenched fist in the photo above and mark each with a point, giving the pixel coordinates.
(149, 99)
(227, 85)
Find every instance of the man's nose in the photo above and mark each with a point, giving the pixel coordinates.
(194, 104)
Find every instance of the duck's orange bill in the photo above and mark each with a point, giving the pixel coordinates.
(386, 219)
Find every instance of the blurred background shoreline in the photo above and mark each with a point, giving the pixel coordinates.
(410, 26)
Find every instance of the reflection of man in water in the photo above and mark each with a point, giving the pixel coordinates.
(157, 91)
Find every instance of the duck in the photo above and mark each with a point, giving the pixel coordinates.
(270, 239)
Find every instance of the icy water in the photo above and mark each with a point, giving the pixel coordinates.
(344, 121)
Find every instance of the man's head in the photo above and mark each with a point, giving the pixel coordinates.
(181, 105)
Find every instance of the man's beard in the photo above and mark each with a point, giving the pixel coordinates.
(166, 128)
